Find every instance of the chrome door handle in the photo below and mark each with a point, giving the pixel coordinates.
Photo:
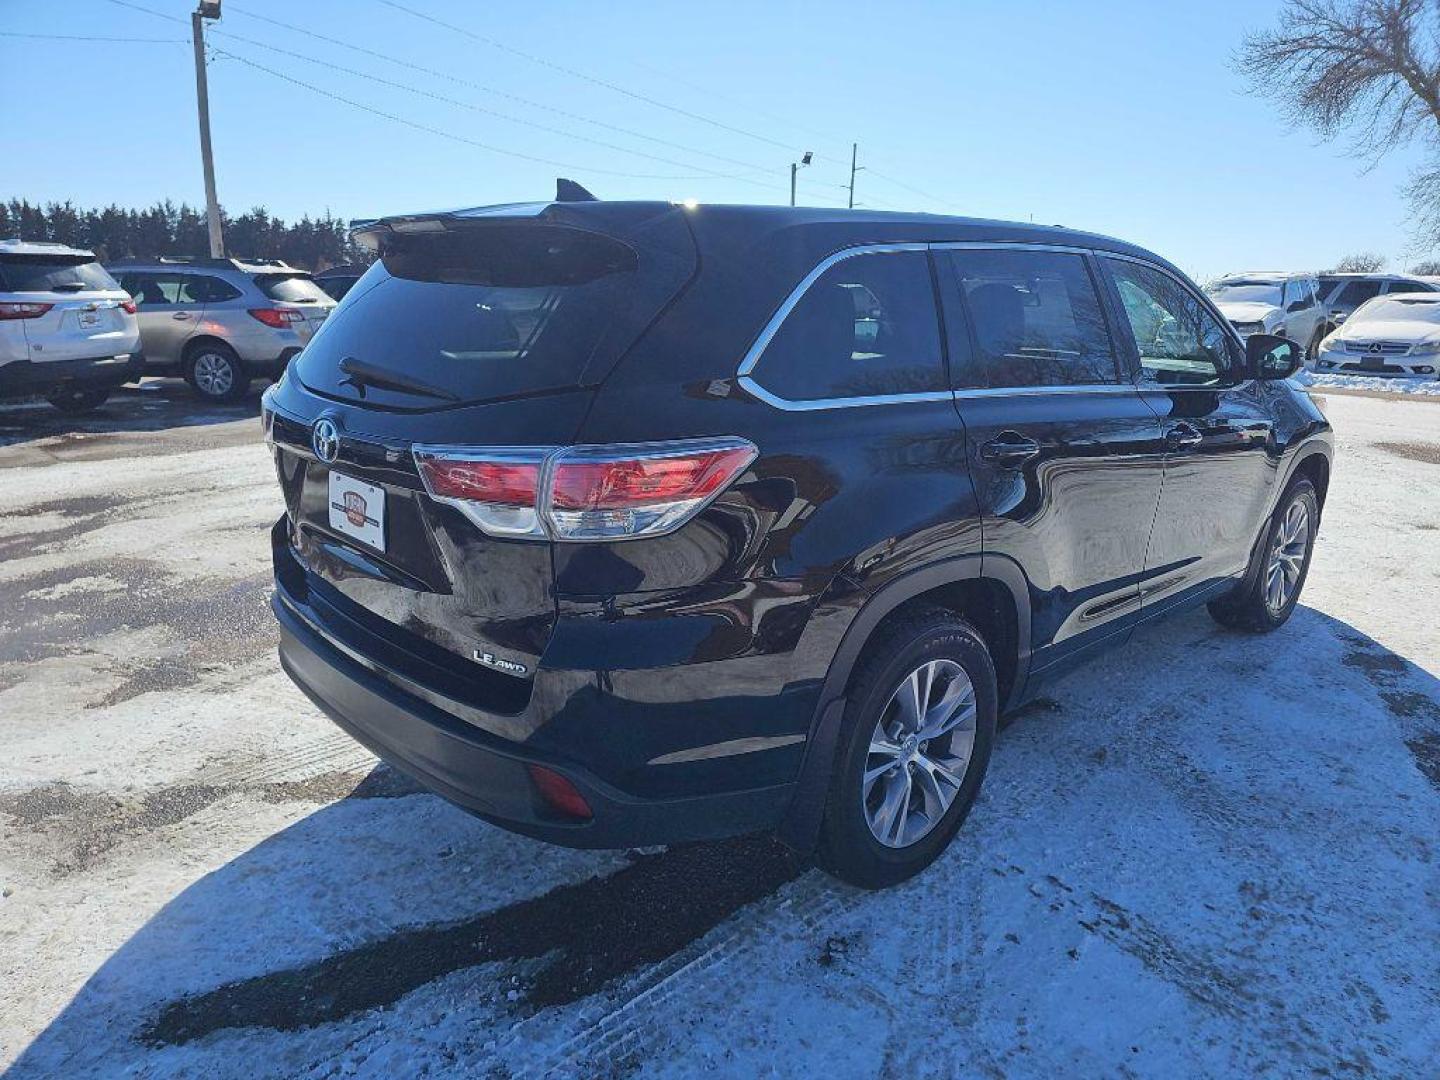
(1183, 437)
(1009, 448)
(181, 315)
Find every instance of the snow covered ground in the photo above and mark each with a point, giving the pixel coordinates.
(1207, 854)
(1387, 384)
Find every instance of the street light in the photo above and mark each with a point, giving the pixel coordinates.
(794, 168)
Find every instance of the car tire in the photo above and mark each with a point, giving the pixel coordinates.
(1289, 543)
(884, 822)
(215, 372)
(1312, 351)
(78, 400)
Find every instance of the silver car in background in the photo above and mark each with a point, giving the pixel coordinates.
(68, 332)
(1272, 302)
(1341, 294)
(221, 322)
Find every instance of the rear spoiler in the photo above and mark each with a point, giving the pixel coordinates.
(369, 231)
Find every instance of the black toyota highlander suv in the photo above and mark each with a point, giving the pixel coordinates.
(624, 524)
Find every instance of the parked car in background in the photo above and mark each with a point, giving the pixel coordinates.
(337, 280)
(1265, 302)
(221, 322)
(68, 331)
(1394, 334)
(631, 523)
(1341, 294)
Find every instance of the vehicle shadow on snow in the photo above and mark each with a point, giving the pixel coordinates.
(154, 405)
(368, 899)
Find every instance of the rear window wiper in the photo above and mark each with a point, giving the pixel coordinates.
(361, 375)
(68, 286)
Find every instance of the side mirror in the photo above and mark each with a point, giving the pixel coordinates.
(1340, 316)
(1270, 357)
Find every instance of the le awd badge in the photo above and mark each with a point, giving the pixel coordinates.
(491, 660)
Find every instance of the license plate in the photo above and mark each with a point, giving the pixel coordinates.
(89, 320)
(358, 509)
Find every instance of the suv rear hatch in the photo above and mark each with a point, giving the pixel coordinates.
(476, 330)
(298, 290)
(79, 310)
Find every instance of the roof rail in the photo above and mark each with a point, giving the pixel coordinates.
(237, 263)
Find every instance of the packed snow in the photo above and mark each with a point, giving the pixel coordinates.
(1206, 854)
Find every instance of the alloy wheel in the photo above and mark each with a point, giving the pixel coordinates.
(1287, 557)
(919, 753)
(214, 374)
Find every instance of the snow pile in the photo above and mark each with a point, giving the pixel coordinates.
(1390, 384)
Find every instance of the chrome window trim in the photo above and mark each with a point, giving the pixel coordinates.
(747, 380)
(753, 354)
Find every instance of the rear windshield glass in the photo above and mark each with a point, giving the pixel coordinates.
(291, 288)
(50, 273)
(483, 313)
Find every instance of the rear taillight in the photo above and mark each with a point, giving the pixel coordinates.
(127, 306)
(277, 318)
(583, 492)
(23, 310)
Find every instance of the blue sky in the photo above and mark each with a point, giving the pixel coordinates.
(1123, 118)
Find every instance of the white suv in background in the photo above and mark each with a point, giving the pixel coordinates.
(1272, 302)
(68, 332)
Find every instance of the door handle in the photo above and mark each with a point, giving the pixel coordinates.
(181, 316)
(1009, 448)
(1183, 437)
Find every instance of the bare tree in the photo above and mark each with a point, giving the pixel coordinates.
(1428, 268)
(1366, 68)
(1363, 262)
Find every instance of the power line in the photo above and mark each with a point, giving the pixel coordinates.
(486, 111)
(91, 38)
(412, 66)
(503, 47)
(447, 134)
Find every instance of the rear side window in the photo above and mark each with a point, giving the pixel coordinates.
(867, 327)
(205, 289)
(1035, 320)
(49, 273)
(154, 290)
(1356, 293)
(291, 288)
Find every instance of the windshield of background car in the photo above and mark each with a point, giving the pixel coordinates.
(1246, 292)
(1398, 309)
(52, 273)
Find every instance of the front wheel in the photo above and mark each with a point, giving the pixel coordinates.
(216, 374)
(915, 744)
(1285, 562)
(77, 400)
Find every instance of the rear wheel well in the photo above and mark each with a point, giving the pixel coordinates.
(986, 604)
(195, 344)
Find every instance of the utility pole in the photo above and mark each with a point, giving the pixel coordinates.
(208, 9)
(795, 168)
(854, 149)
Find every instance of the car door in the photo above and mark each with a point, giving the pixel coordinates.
(167, 320)
(1219, 473)
(1064, 454)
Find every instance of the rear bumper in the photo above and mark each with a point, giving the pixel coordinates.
(25, 377)
(488, 775)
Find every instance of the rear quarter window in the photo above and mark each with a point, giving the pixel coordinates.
(46, 273)
(867, 327)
